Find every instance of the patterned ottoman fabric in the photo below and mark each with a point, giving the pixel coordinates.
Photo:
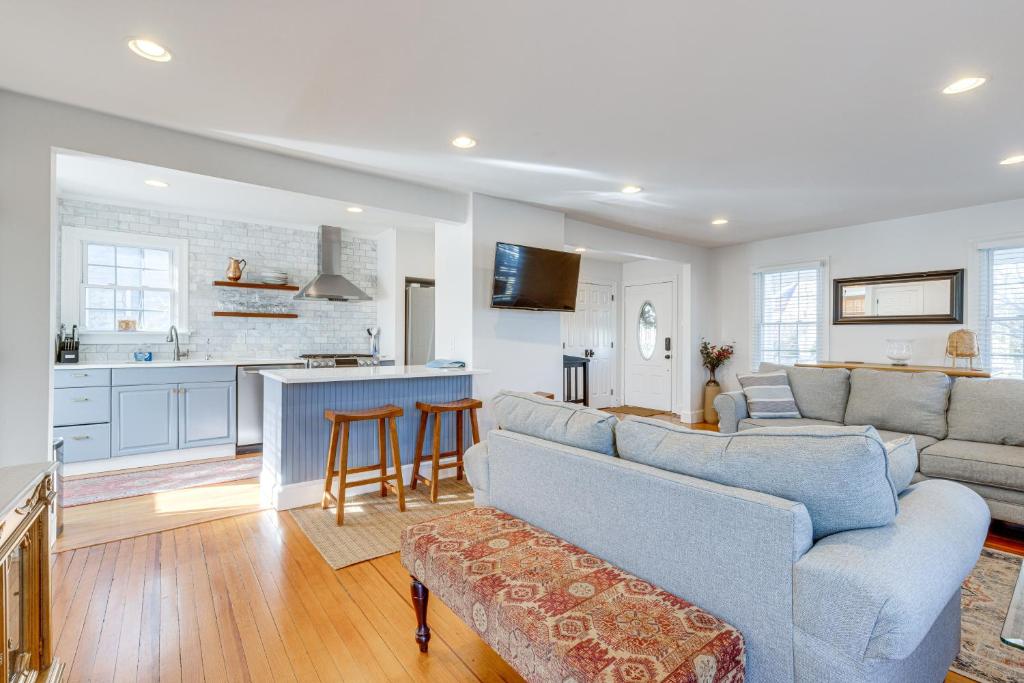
(556, 613)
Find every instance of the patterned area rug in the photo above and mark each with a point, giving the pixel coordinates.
(129, 484)
(986, 597)
(373, 525)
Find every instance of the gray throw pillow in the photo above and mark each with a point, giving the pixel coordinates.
(840, 474)
(768, 395)
(908, 402)
(565, 423)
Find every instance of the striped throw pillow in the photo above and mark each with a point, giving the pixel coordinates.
(768, 395)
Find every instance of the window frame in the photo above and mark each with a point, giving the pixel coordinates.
(72, 284)
(821, 265)
(981, 318)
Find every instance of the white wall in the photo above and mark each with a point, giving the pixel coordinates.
(937, 241)
(30, 130)
(453, 291)
(410, 254)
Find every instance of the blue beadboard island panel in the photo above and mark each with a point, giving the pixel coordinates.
(296, 435)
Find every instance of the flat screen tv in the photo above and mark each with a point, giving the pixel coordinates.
(534, 279)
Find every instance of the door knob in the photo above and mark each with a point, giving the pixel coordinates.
(668, 355)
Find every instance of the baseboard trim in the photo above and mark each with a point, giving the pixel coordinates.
(691, 416)
(130, 462)
(303, 493)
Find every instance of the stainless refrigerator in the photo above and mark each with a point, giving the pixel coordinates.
(419, 323)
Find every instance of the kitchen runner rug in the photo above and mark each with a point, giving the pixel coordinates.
(373, 525)
(129, 484)
(986, 597)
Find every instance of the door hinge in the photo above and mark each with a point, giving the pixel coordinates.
(613, 297)
(612, 392)
(563, 345)
(613, 345)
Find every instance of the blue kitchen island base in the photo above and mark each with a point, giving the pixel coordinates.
(296, 435)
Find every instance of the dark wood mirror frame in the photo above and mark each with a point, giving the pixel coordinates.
(956, 299)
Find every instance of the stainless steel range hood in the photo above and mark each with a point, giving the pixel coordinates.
(328, 284)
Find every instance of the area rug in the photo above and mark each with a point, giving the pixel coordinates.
(373, 525)
(986, 597)
(634, 410)
(129, 484)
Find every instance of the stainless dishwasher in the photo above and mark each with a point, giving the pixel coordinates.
(250, 405)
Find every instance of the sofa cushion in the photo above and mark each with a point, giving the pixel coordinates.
(565, 423)
(555, 612)
(973, 461)
(922, 441)
(768, 395)
(875, 593)
(821, 393)
(910, 402)
(755, 423)
(989, 410)
(840, 474)
(902, 457)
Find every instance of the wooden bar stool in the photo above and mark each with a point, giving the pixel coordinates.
(437, 410)
(340, 421)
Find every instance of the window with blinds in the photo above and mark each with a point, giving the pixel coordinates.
(789, 319)
(1002, 311)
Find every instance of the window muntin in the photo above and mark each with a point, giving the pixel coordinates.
(126, 283)
(1003, 311)
(788, 315)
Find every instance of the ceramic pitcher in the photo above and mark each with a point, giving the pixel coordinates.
(235, 268)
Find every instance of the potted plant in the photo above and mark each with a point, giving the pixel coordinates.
(713, 357)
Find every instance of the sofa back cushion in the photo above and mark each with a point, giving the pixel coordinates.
(821, 393)
(840, 474)
(911, 402)
(987, 410)
(565, 423)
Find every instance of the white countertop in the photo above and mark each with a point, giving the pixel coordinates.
(184, 363)
(315, 375)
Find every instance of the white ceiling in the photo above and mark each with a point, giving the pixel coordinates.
(785, 116)
(92, 177)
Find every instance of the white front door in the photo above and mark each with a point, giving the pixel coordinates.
(649, 313)
(589, 332)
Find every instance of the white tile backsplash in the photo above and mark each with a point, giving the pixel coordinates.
(322, 326)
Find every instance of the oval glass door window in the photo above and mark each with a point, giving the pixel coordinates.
(647, 330)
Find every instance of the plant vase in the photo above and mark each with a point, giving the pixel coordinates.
(711, 389)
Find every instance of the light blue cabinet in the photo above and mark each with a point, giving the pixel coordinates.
(144, 419)
(206, 414)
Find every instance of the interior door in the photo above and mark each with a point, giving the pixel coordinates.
(649, 312)
(590, 332)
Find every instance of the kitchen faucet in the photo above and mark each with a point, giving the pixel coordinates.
(172, 336)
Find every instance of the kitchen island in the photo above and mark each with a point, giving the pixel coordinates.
(296, 435)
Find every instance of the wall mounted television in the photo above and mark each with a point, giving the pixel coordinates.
(534, 279)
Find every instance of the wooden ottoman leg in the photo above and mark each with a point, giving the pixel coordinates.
(420, 595)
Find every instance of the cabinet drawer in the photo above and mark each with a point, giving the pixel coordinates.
(85, 442)
(165, 375)
(92, 377)
(80, 406)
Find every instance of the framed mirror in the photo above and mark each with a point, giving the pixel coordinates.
(931, 297)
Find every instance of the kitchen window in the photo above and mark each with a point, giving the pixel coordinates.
(1001, 310)
(789, 314)
(117, 286)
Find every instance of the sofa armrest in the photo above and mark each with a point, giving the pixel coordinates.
(875, 593)
(477, 472)
(731, 407)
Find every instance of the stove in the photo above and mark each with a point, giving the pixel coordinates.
(337, 360)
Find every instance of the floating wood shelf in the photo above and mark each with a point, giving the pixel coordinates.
(854, 365)
(255, 285)
(253, 314)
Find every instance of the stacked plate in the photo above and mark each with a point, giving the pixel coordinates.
(274, 277)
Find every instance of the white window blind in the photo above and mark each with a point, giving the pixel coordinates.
(789, 314)
(1001, 310)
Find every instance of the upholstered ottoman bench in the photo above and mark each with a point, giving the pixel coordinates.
(556, 613)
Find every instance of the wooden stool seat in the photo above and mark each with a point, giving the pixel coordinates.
(437, 410)
(450, 406)
(380, 412)
(341, 421)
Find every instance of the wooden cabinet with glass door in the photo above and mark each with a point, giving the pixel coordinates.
(26, 492)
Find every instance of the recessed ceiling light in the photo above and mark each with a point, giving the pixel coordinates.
(720, 221)
(464, 142)
(147, 49)
(354, 209)
(152, 182)
(1015, 159)
(631, 189)
(963, 85)
(581, 249)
